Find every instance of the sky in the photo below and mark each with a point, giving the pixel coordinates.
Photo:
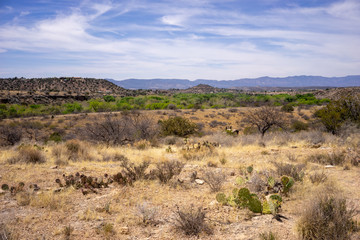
(188, 39)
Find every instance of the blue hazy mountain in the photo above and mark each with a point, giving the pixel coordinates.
(293, 81)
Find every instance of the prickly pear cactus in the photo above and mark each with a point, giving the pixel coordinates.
(255, 205)
(266, 208)
(221, 198)
(235, 192)
(239, 181)
(250, 169)
(5, 187)
(287, 183)
(244, 193)
(243, 197)
(271, 182)
(274, 203)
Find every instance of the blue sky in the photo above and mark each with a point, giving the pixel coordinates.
(192, 39)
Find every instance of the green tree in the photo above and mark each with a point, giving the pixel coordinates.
(109, 98)
(178, 126)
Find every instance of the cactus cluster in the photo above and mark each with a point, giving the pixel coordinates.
(287, 183)
(271, 202)
(122, 178)
(279, 186)
(13, 189)
(87, 184)
(20, 187)
(243, 198)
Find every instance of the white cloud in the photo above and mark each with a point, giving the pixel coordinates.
(177, 20)
(222, 44)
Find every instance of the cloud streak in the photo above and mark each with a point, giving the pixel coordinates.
(191, 39)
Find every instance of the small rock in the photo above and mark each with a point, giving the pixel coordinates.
(329, 166)
(199, 181)
(54, 167)
(293, 146)
(124, 230)
(2, 191)
(212, 203)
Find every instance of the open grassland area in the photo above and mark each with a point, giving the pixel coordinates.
(236, 173)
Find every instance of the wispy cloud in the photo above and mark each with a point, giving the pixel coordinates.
(186, 39)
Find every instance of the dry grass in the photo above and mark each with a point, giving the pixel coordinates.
(147, 209)
(28, 154)
(191, 221)
(215, 179)
(326, 216)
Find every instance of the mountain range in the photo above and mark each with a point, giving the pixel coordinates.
(292, 81)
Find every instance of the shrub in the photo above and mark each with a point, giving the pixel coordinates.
(129, 128)
(58, 152)
(287, 108)
(298, 126)
(109, 98)
(67, 231)
(191, 221)
(337, 112)
(326, 217)
(10, 135)
(178, 126)
(135, 172)
(214, 179)
(29, 154)
(55, 137)
(267, 236)
(265, 118)
(335, 158)
(318, 177)
(294, 171)
(23, 198)
(5, 233)
(73, 146)
(147, 213)
(256, 183)
(166, 170)
(171, 106)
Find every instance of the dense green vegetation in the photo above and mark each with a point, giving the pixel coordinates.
(338, 112)
(152, 102)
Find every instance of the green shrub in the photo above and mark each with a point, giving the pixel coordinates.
(109, 98)
(298, 126)
(178, 126)
(55, 137)
(287, 108)
(336, 113)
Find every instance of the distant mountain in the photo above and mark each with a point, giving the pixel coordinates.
(56, 90)
(62, 84)
(293, 81)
